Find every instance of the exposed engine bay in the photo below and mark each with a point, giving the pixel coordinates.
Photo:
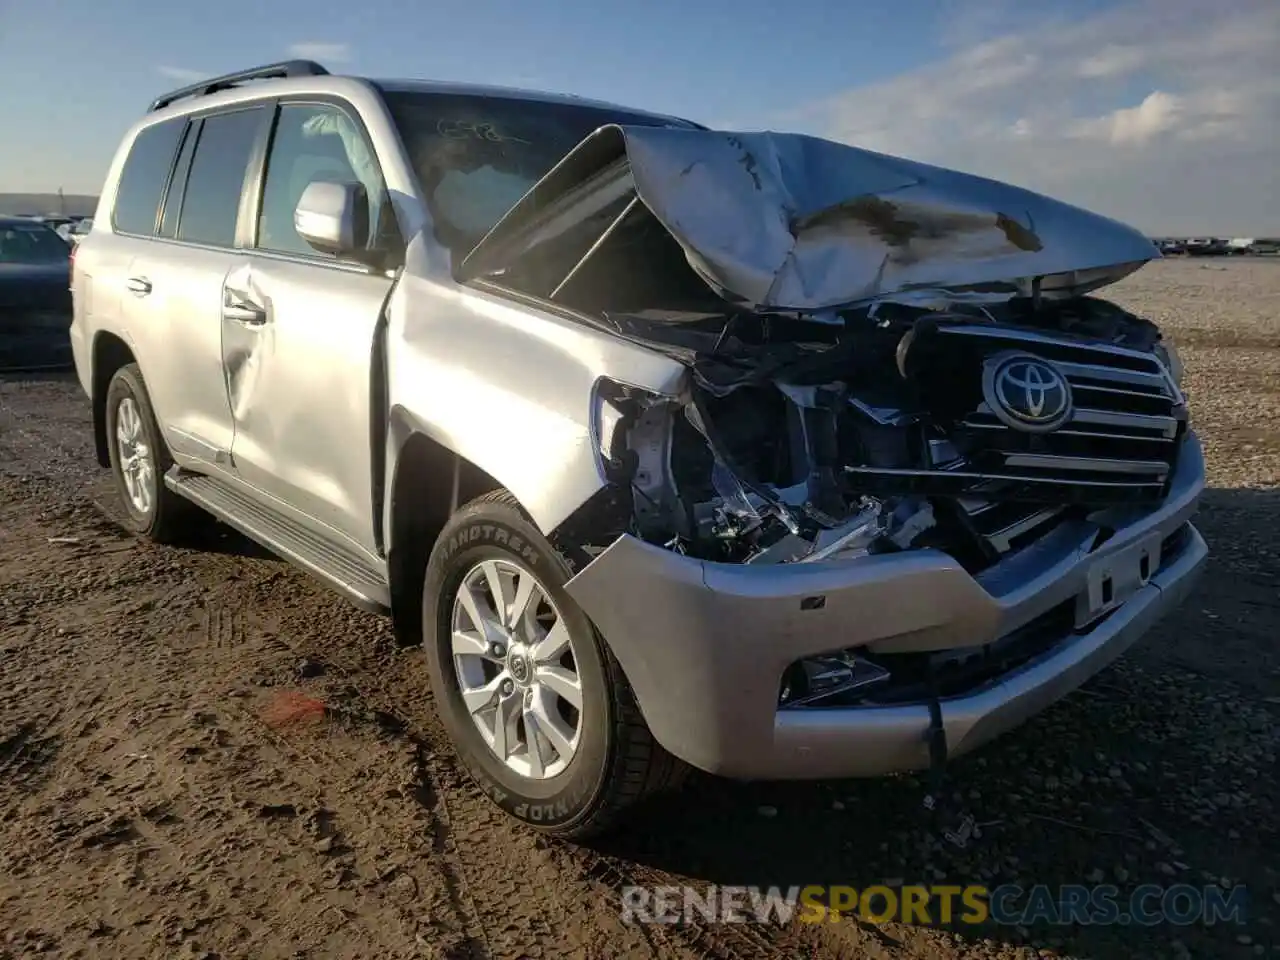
(884, 429)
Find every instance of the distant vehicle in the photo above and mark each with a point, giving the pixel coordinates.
(1265, 246)
(1206, 247)
(35, 295)
(54, 220)
(79, 230)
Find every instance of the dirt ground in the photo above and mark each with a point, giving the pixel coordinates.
(202, 754)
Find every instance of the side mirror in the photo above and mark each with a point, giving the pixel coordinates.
(334, 217)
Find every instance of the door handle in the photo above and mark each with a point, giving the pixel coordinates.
(140, 286)
(245, 313)
(237, 305)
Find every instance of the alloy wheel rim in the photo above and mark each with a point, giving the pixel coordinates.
(137, 466)
(516, 669)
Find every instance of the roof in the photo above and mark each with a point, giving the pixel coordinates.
(305, 76)
(508, 93)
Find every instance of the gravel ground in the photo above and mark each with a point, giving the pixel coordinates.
(204, 755)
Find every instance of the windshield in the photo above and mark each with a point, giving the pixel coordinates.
(30, 243)
(476, 156)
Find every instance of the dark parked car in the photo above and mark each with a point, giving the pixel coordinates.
(35, 295)
(1206, 247)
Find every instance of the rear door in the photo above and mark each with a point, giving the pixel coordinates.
(102, 300)
(174, 284)
(299, 333)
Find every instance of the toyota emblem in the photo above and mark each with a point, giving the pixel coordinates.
(1026, 393)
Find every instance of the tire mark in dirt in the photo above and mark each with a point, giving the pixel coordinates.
(722, 941)
(445, 848)
(24, 754)
(28, 755)
(296, 772)
(506, 894)
(229, 626)
(387, 688)
(529, 911)
(604, 876)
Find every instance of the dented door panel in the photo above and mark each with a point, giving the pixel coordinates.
(298, 341)
(175, 330)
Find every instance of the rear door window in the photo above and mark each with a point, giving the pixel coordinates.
(211, 201)
(146, 171)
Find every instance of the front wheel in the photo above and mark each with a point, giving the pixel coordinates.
(537, 708)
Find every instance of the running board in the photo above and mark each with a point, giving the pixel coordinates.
(340, 568)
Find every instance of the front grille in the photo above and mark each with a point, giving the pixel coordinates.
(1124, 429)
(1119, 443)
(1010, 486)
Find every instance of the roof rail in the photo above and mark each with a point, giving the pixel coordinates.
(271, 71)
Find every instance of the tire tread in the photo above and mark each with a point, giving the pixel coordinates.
(174, 516)
(640, 767)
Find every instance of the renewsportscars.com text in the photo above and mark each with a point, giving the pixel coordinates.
(939, 904)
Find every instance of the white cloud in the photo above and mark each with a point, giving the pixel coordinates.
(322, 51)
(182, 74)
(1160, 112)
(1111, 61)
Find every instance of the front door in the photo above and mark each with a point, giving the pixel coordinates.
(298, 335)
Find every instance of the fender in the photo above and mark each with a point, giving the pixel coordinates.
(508, 386)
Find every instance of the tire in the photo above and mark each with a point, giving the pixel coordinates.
(166, 517)
(616, 762)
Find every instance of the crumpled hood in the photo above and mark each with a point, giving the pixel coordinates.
(790, 222)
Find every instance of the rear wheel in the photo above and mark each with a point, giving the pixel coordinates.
(538, 709)
(139, 460)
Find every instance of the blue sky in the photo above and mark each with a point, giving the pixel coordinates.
(1162, 113)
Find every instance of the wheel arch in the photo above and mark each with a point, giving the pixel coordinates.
(109, 354)
(429, 481)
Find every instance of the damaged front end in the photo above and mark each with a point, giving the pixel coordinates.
(903, 428)
(884, 357)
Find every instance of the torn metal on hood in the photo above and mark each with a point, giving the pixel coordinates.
(788, 222)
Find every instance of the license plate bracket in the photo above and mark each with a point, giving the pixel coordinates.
(1116, 577)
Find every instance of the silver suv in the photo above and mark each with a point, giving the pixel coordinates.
(755, 453)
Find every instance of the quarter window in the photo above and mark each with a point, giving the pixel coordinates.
(146, 170)
(211, 202)
(173, 199)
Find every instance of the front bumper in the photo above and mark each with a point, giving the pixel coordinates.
(705, 645)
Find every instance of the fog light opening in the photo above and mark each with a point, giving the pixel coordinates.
(817, 681)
